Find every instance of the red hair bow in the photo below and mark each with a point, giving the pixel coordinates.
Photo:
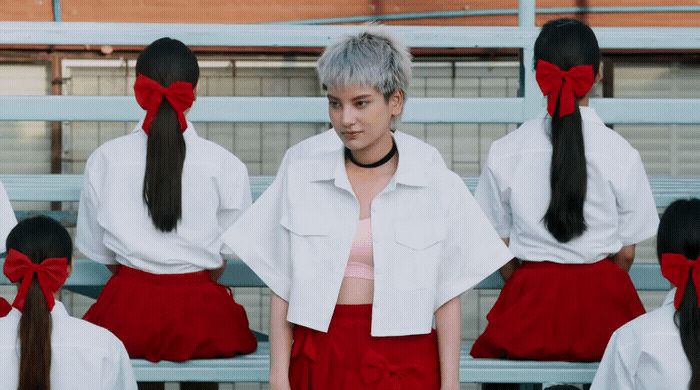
(51, 273)
(677, 269)
(563, 86)
(149, 95)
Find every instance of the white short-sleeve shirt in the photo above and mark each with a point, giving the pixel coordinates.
(514, 192)
(113, 222)
(83, 356)
(7, 217)
(431, 240)
(645, 354)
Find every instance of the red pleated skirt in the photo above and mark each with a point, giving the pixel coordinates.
(172, 317)
(565, 312)
(348, 358)
(5, 307)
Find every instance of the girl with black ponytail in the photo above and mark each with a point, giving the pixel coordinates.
(153, 207)
(571, 198)
(661, 349)
(41, 346)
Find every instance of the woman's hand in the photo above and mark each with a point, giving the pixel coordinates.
(624, 257)
(509, 268)
(216, 273)
(280, 382)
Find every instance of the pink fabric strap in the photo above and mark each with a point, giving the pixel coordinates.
(361, 262)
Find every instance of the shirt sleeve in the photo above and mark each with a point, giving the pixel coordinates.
(7, 218)
(260, 241)
(472, 250)
(118, 373)
(615, 370)
(89, 233)
(494, 201)
(638, 218)
(234, 194)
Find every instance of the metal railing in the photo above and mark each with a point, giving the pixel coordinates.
(306, 109)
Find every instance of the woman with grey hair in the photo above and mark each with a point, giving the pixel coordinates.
(365, 238)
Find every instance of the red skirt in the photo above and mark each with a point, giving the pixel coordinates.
(5, 307)
(348, 358)
(172, 317)
(566, 312)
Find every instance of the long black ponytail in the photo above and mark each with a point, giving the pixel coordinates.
(166, 61)
(679, 232)
(567, 43)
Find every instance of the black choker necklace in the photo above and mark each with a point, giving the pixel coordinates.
(384, 160)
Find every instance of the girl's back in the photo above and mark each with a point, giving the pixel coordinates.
(41, 346)
(618, 202)
(153, 207)
(84, 356)
(572, 199)
(661, 349)
(214, 192)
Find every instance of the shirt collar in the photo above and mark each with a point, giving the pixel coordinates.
(58, 310)
(410, 170)
(588, 114)
(188, 133)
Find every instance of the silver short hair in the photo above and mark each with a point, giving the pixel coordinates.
(372, 58)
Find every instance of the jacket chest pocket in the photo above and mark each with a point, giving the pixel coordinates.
(309, 246)
(417, 249)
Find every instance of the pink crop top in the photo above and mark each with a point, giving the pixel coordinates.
(361, 262)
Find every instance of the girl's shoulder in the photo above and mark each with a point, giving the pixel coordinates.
(8, 329)
(77, 333)
(611, 152)
(651, 327)
(529, 136)
(124, 148)
(313, 146)
(124, 141)
(199, 148)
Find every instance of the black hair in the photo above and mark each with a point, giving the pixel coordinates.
(567, 43)
(166, 61)
(39, 238)
(679, 232)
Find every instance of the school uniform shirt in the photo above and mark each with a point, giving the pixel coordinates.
(83, 356)
(645, 354)
(113, 224)
(514, 192)
(431, 240)
(7, 218)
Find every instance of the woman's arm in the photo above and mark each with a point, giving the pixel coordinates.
(625, 257)
(280, 344)
(216, 273)
(507, 270)
(449, 333)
